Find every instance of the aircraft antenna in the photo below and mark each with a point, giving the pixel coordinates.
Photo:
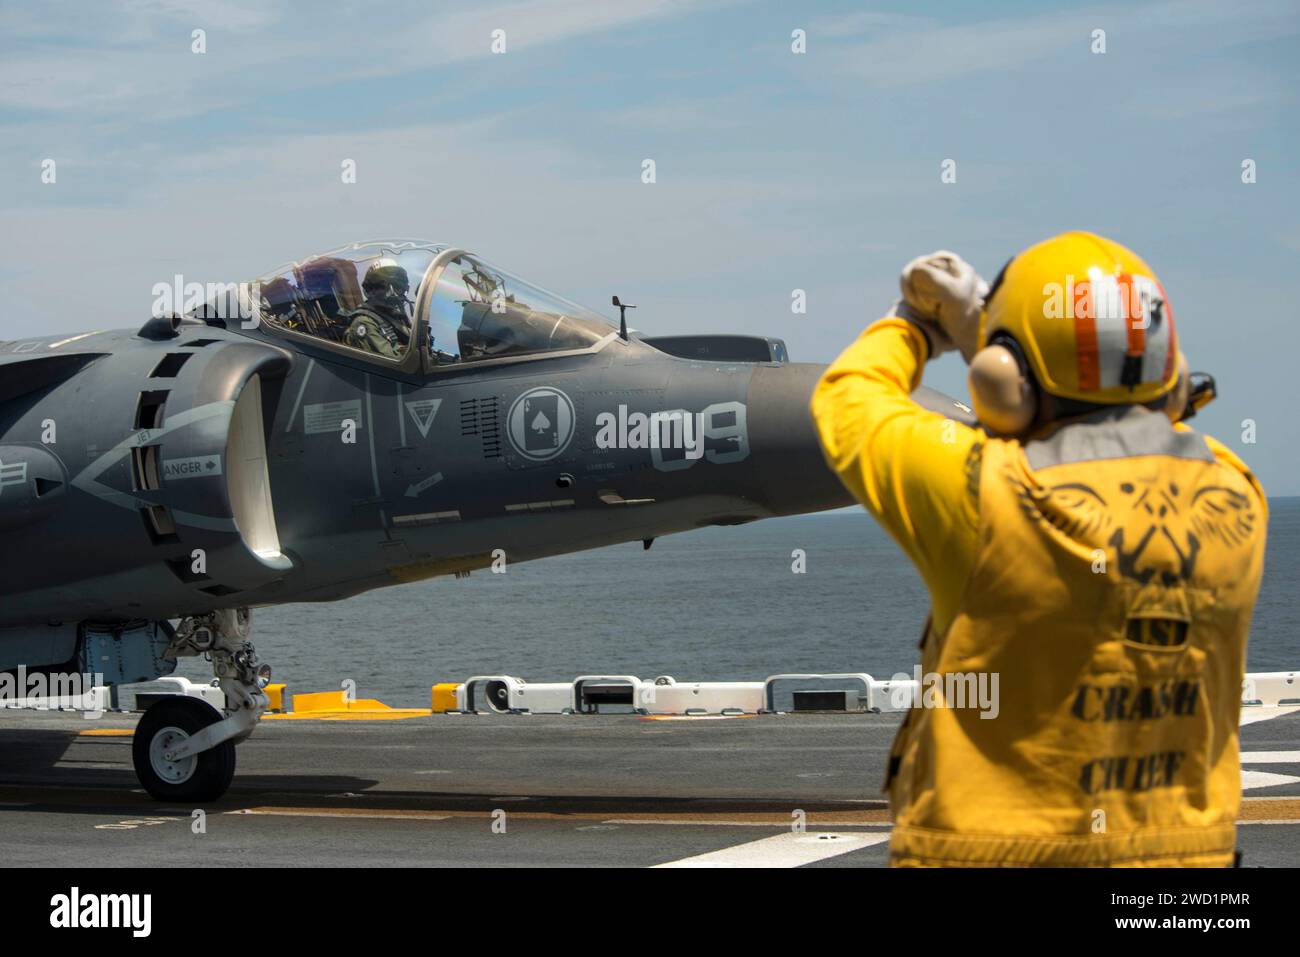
(622, 317)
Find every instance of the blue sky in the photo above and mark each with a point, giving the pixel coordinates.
(775, 171)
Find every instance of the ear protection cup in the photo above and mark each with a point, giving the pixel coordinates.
(1176, 402)
(1004, 396)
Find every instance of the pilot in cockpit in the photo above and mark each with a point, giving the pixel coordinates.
(382, 324)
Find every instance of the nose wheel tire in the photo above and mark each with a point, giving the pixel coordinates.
(200, 777)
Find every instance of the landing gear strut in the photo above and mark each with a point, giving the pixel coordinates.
(184, 749)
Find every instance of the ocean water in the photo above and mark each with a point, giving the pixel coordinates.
(710, 605)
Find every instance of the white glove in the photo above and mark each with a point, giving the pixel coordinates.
(943, 295)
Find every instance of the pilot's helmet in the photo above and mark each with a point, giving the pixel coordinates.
(385, 280)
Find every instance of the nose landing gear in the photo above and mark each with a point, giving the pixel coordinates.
(168, 724)
(184, 749)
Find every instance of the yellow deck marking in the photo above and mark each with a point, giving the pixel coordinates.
(335, 706)
(1253, 811)
(864, 818)
(391, 714)
(1269, 809)
(106, 733)
(694, 717)
(866, 815)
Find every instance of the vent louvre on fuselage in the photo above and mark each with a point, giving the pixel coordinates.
(183, 569)
(479, 417)
(149, 409)
(219, 591)
(146, 468)
(158, 523)
(169, 365)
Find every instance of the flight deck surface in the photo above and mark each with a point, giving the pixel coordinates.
(568, 790)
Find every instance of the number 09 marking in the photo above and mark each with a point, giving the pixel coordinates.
(725, 436)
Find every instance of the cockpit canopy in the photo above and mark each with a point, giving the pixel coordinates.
(380, 298)
(477, 311)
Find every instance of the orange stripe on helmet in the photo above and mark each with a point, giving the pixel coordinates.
(1085, 336)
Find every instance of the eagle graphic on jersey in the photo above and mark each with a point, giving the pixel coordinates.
(1155, 526)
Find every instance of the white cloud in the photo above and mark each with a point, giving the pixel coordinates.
(933, 51)
(138, 60)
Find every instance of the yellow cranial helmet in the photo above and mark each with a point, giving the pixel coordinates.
(1090, 318)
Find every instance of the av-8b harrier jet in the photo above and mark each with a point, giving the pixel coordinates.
(379, 414)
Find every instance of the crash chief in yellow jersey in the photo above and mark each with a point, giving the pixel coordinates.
(1082, 543)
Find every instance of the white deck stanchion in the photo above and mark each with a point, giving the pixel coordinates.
(1271, 689)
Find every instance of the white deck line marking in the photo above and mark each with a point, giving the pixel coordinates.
(1254, 715)
(782, 850)
(345, 816)
(1270, 757)
(1244, 823)
(1265, 779)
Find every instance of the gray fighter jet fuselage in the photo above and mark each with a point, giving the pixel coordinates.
(207, 464)
(288, 446)
(373, 477)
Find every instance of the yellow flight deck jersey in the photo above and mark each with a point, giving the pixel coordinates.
(1105, 570)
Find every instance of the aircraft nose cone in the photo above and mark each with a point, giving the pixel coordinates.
(791, 473)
